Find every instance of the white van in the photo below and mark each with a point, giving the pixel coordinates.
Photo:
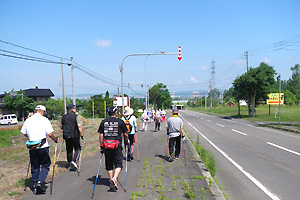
(8, 119)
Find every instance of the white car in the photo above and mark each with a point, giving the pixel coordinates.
(8, 119)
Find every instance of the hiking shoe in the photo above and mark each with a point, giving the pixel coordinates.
(74, 165)
(34, 191)
(114, 182)
(131, 157)
(41, 187)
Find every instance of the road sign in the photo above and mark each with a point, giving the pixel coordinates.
(273, 99)
(179, 53)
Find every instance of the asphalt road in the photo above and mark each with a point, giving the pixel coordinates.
(253, 162)
(152, 176)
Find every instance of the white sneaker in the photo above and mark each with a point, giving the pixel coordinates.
(74, 165)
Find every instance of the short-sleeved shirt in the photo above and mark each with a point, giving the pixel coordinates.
(174, 124)
(132, 121)
(37, 127)
(112, 128)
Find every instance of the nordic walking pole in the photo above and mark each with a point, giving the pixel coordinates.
(54, 160)
(97, 175)
(184, 152)
(60, 148)
(126, 152)
(137, 147)
(166, 148)
(27, 175)
(78, 171)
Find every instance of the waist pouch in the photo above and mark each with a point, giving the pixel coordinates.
(35, 144)
(110, 144)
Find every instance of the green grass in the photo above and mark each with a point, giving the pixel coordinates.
(287, 113)
(6, 137)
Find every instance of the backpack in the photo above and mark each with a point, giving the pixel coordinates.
(128, 125)
(157, 119)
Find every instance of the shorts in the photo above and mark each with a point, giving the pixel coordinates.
(113, 158)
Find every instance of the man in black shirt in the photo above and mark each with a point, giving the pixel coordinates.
(72, 131)
(111, 131)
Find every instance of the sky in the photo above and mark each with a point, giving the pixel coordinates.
(99, 34)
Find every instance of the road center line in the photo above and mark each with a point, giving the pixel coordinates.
(285, 149)
(238, 132)
(254, 180)
(220, 125)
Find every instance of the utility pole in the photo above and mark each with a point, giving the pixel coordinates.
(279, 97)
(63, 85)
(246, 56)
(73, 87)
(205, 100)
(129, 94)
(212, 82)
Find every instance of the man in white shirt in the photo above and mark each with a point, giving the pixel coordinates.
(36, 128)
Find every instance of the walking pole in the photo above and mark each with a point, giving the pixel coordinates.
(184, 152)
(166, 148)
(60, 148)
(137, 147)
(54, 160)
(126, 151)
(27, 175)
(97, 175)
(78, 171)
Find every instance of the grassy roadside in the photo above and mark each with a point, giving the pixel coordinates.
(14, 158)
(287, 113)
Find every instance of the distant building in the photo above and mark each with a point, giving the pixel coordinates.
(195, 94)
(38, 95)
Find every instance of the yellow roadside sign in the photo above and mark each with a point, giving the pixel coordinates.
(273, 99)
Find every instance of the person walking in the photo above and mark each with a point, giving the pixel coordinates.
(175, 133)
(157, 120)
(72, 131)
(111, 131)
(36, 128)
(128, 115)
(145, 119)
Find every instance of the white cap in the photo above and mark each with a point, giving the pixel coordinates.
(40, 107)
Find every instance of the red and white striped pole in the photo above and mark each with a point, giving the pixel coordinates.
(179, 53)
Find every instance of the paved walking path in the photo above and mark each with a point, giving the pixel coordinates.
(149, 178)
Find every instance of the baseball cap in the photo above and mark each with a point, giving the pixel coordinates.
(175, 110)
(41, 107)
(112, 109)
(70, 106)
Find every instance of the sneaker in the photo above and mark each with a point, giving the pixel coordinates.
(34, 191)
(74, 165)
(131, 157)
(40, 186)
(176, 157)
(114, 182)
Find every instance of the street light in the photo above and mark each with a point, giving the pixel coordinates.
(146, 88)
(136, 54)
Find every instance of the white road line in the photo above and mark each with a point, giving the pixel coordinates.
(280, 147)
(211, 121)
(203, 118)
(254, 180)
(198, 116)
(223, 125)
(238, 132)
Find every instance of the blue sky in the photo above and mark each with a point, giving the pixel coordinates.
(99, 34)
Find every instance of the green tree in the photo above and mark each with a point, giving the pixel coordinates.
(294, 82)
(289, 98)
(20, 103)
(54, 107)
(159, 96)
(254, 84)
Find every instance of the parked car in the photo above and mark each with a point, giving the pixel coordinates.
(8, 119)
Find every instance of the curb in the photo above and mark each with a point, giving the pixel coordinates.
(216, 191)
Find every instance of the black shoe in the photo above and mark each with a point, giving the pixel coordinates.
(176, 157)
(131, 157)
(34, 191)
(41, 187)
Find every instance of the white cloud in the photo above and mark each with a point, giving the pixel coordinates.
(267, 61)
(193, 80)
(103, 43)
(180, 82)
(239, 62)
(203, 67)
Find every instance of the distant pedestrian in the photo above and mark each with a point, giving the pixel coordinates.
(128, 115)
(72, 131)
(145, 118)
(175, 133)
(157, 120)
(36, 128)
(111, 131)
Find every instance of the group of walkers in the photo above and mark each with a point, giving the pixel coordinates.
(111, 133)
(157, 116)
